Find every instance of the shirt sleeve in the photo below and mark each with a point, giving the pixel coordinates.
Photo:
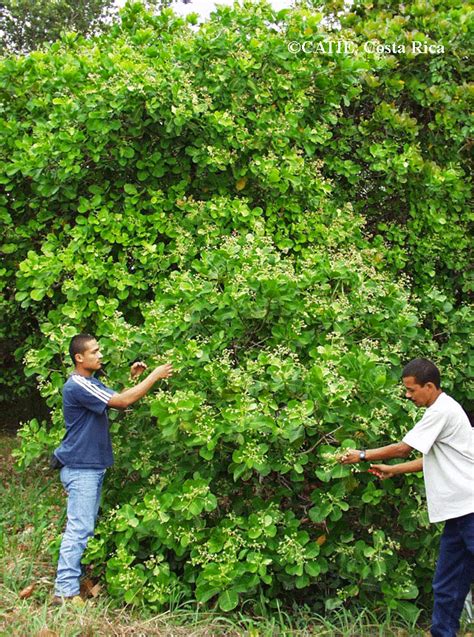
(425, 433)
(93, 396)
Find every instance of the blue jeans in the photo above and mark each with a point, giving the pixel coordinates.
(454, 575)
(83, 487)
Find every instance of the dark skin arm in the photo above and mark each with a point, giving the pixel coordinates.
(397, 450)
(384, 471)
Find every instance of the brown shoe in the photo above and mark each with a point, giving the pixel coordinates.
(58, 600)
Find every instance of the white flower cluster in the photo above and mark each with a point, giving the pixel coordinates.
(291, 550)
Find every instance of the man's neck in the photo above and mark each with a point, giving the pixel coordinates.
(435, 397)
(80, 371)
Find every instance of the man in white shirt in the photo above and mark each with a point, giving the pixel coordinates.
(446, 439)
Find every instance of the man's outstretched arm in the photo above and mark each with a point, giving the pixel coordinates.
(397, 450)
(384, 471)
(132, 394)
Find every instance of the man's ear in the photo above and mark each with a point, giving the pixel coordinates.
(79, 358)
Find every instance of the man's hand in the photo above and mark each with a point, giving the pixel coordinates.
(350, 456)
(382, 471)
(136, 369)
(164, 371)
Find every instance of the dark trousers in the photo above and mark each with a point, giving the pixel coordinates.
(454, 575)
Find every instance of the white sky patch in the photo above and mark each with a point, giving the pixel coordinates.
(205, 7)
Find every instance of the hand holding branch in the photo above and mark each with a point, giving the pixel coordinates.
(137, 368)
(350, 456)
(382, 471)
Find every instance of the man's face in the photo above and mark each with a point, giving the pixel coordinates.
(419, 394)
(90, 359)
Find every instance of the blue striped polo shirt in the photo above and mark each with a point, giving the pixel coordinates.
(86, 443)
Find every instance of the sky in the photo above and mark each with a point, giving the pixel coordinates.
(204, 7)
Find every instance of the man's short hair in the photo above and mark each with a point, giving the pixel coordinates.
(423, 371)
(78, 345)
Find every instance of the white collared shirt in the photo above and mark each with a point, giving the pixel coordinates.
(446, 439)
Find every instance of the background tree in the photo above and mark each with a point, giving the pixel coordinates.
(27, 24)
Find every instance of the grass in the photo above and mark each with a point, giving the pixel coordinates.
(32, 516)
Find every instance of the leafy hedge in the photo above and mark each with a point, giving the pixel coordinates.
(288, 229)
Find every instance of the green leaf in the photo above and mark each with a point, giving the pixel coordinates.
(312, 568)
(228, 600)
(37, 294)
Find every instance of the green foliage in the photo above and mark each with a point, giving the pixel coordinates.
(226, 485)
(265, 221)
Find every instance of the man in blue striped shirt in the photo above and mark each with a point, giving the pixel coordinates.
(86, 451)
